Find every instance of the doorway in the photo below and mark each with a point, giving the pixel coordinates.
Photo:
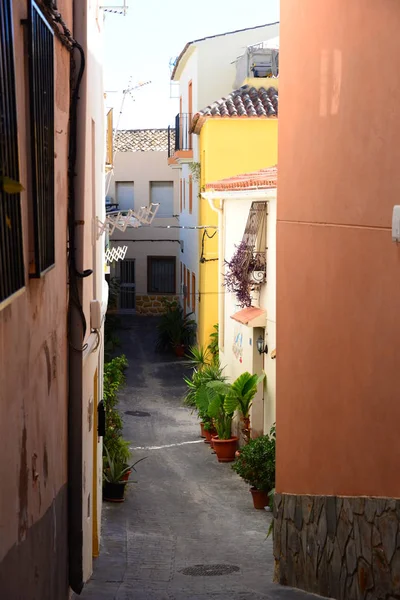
(127, 296)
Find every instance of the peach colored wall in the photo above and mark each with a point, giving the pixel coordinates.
(338, 292)
(33, 344)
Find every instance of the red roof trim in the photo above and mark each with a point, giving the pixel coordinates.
(264, 178)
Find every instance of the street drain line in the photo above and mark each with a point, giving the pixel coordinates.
(137, 413)
(209, 570)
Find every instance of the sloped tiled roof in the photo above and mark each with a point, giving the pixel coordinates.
(247, 101)
(143, 140)
(262, 179)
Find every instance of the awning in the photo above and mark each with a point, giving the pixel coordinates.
(251, 316)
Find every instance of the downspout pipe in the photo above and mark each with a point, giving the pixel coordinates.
(76, 317)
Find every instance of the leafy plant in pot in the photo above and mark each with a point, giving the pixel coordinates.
(175, 329)
(115, 477)
(256, 465)
(240, 397)
(202, 374)
(211, 398)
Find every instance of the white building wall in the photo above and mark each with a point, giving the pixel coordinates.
(217, 61)
(238, 351)
(210, 66)
(143, 168)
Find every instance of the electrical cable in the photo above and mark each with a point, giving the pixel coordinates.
(210, 237)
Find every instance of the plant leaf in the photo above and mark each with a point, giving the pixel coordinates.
(10, 186)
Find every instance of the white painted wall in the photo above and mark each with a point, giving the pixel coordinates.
(238, 350)
(88, 30)
(210, 66)
(141, 168)
(217, 61)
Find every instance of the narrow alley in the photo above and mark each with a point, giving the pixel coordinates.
(188, 514)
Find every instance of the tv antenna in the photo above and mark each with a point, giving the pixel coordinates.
(127, 92)
(116, 10)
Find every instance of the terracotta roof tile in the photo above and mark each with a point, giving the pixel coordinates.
(249, 315)
(247, 101)
(143, 140)
(264, 178)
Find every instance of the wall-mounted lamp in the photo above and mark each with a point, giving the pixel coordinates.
(261, 346)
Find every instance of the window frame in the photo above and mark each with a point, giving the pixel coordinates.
(150, 260)
(42, 61)
(12, 264)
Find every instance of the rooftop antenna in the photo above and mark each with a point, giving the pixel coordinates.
(127, 92)
(117, 10)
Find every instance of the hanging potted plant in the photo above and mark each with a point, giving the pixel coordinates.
(238, 277)
(256, 465)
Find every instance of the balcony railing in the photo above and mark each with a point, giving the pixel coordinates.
(179, 139)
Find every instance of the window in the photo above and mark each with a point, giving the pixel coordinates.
(184, 193)
(190, 194)
(180, 196)
(125, 196)
(193, 291)
(41, 83)
(162, 193)
(161, 274)
(12, 276)
(188, 289)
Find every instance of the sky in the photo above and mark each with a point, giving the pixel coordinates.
(140, 46)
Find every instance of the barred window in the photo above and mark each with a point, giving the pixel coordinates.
(161, 274)
(11, 250)
(41, 83)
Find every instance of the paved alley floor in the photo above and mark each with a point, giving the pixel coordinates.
(186, 509)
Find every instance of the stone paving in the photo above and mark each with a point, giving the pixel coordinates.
(186, 509)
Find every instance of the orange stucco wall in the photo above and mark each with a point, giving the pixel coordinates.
(338, 272)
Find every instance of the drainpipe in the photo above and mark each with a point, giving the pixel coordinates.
(221, 245)
(76, 317)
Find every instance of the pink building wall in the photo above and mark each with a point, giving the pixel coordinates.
(33, 373)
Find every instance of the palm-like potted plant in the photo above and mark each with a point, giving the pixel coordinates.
(203, 373)
(211, 399)
(115, 477)
(256, 465)
(240, 397)
(175, 329)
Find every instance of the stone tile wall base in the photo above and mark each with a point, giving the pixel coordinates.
(341, 547)
(151, 305)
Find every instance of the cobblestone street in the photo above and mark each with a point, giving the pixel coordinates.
(186, 509)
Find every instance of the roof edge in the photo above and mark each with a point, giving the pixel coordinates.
(209, 37)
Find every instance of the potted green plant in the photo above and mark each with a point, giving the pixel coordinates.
(115, 477)
(256, 466)
(203, 373)
(211, 397)
(175, 329)
(240, 397)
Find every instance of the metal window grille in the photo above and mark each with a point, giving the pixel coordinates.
(41, 82)
(127, 297)
(255, 232)
(11, 250)
(161, 275)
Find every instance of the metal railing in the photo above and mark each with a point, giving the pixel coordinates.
(180, 137)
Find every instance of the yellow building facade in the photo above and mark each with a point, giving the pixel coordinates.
(228, 146)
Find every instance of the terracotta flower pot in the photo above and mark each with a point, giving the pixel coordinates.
(208, 433)
(213, 436)
(225, 449)
(180, 350)
(114, 492)
(126, 476)
(202, 433)
(260, 498)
